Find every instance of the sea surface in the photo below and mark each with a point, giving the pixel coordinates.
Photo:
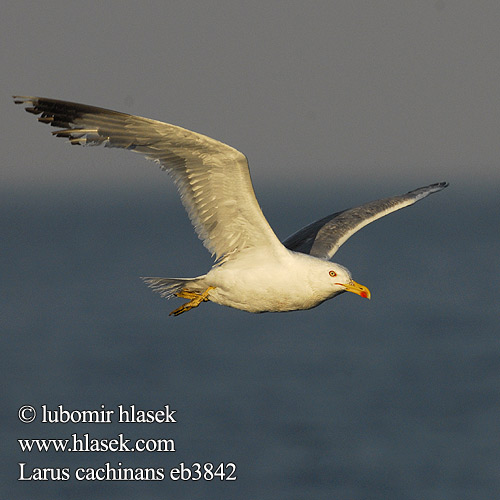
(393, 398)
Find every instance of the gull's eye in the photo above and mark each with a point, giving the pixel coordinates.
(332, 274)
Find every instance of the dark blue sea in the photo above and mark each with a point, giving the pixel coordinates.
(393, 398)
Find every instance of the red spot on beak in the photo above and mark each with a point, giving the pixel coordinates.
(364, 295)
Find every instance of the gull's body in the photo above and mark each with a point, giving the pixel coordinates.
(254, 271)
(263, 282)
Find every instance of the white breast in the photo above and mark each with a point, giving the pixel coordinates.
(257, 283)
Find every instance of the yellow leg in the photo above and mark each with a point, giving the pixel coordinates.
(185, 294)
(196, 300)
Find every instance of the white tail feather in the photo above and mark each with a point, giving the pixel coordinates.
(170, 287)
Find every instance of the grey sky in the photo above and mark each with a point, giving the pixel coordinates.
(407, 92)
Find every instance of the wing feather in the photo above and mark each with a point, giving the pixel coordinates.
(324, 237)
(213, 178)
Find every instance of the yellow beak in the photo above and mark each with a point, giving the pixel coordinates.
(361, 290)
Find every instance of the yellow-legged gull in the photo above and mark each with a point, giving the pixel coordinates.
(253, 271)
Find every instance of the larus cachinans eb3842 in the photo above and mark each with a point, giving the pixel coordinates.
(253, 270)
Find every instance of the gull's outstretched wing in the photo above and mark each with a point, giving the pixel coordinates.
(324, 237)
(213, 178)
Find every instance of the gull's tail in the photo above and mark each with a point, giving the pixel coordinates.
(170, 287)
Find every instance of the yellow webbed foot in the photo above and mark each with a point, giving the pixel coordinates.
(196, 300)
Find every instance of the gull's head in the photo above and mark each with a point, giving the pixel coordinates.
(338, 279)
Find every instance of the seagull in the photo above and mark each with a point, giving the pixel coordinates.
(253, 271)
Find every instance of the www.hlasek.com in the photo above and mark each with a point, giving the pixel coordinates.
(85, 443)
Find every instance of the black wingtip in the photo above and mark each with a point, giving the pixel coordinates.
(22, 99)
(438, 186)
(431, 188)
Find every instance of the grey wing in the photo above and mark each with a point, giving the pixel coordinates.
(213, 178)
(324, 237)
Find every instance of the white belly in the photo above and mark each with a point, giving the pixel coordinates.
(266, 286)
